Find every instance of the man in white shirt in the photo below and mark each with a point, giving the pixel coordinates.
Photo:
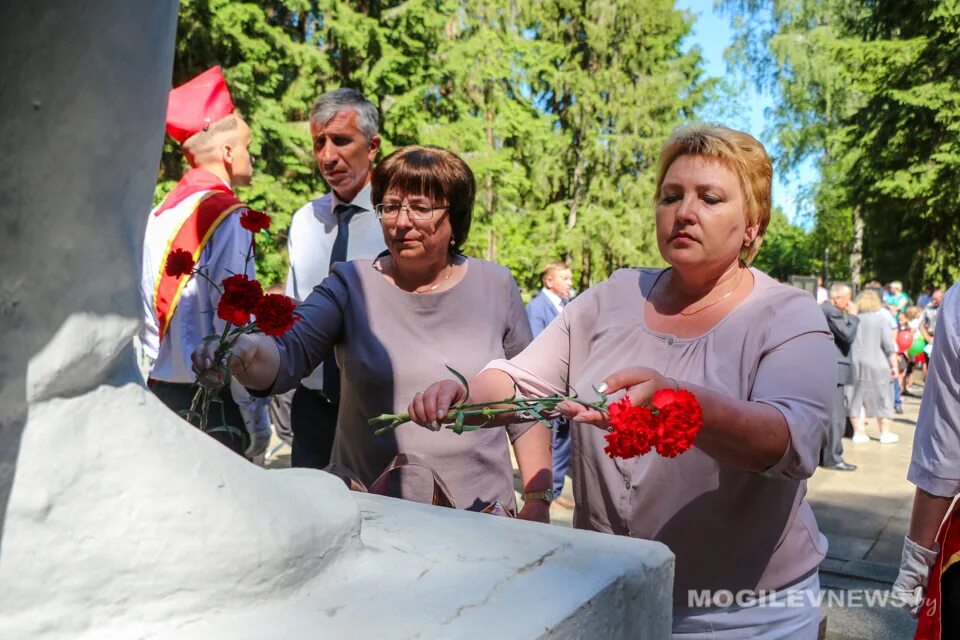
(337, 227)
(822, 294)
(201, 216)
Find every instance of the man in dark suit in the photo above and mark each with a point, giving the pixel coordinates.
(557, 281)
(842, 320)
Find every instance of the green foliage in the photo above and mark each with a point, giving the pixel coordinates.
(786, 250)
(870, 89)
(559, 107)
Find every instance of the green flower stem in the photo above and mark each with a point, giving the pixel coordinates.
(199, 272)
(457, 413)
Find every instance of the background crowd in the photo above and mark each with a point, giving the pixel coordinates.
(882, 338)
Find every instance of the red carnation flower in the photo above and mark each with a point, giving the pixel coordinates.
(243, 292)
(275, 314)
(254, 221)
(240, 296)
(679, 419)
(179, 263)
(631, 432)
(230, 313)
(668, 396)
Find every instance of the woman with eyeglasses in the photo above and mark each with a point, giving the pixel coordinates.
(395, 323)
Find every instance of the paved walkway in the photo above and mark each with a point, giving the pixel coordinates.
(865, 514)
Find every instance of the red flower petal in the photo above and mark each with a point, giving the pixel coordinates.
(179, 263)
(242, 292)
(229, 313)
(275, 314)
(631, 430)
(667, 396)
(254, 221)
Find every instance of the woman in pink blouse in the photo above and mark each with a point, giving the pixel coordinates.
(759, 357)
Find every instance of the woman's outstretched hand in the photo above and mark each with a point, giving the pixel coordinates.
(429, 407)
(640, 382)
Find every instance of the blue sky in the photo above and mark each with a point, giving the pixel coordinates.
(713, 34)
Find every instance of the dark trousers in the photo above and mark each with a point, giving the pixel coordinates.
(832, 452)
(314, 422)
(179, 397)
(561, 444)
(950, 603)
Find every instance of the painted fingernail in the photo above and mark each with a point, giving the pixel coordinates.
(440, 415)
(602, 387)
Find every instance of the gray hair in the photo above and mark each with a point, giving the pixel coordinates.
(839, 289)
(331, 103)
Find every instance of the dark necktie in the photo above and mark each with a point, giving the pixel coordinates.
(343, 212)
(331, 373)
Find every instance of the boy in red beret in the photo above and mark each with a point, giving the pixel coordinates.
(201, 215)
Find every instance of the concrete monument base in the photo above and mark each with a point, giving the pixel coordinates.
(125, 522)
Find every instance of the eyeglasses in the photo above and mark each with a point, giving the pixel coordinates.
(415, 211)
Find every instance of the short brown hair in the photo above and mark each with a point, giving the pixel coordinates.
(740, 152)
(550, 268)
(434, 172)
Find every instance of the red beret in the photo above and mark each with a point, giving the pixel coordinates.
(196, 104)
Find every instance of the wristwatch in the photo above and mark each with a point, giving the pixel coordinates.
(547, 496)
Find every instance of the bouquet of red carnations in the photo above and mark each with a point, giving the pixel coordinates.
(245, 308)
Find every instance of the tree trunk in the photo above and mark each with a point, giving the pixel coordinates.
(575, 191)
(585, 269)
(856, 256)
(488, 98)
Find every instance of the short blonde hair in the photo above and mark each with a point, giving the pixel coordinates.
(869, 300)
(740, 152)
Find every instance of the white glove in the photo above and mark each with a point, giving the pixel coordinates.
(911, 583)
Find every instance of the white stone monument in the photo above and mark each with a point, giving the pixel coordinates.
(122, 521)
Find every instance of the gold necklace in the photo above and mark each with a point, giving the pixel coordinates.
(434, 287)
(718, 300)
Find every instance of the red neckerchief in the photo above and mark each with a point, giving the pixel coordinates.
(193, 181)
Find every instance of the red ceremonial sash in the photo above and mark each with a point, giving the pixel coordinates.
(192, 236)
(929, 625)
(192, 181)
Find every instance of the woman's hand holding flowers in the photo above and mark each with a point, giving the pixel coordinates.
(208, 360)
(429, 408)
(640, 382)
